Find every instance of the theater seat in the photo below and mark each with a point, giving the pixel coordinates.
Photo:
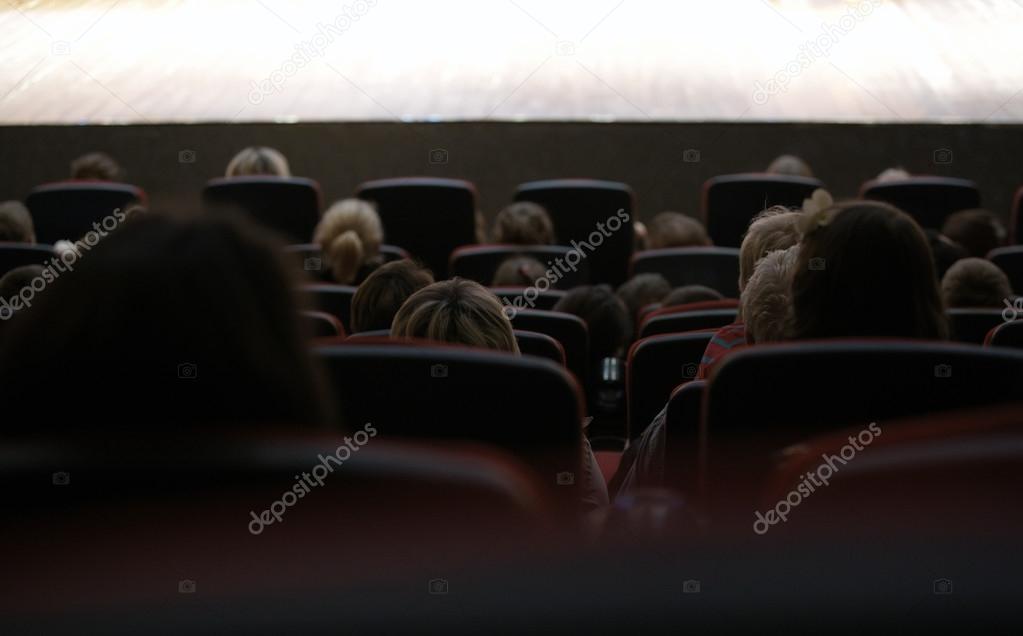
(656, 366)
(335, 300)
(929, 200)
(567, 329)
(1008, 334)
(683, 433)
(427, 216)
(542, 300)
(973, 325)
(729, 202)
(67, 210)
(540, 345)
(1010, 261)
(480, 263)
(302, 251)
(320, 324)
(576, 206)
(372, 334)
(714, 267)
(681, 319)
(14, 255)
(1016, 219)
(289, 206)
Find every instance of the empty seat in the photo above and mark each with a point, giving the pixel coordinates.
(576, 206)
(429, 217)
(14, 255)
(1008, 334)
(671, 320)
(730, 202)
(1010, 261)
(973, 325)
(542, 300)
(320, 324)
(929, 200)
(289, 206)
(656, 366)
(567, 329)
(67, 210)
(715, 267)
(540, 345)
(335, 300)
(480, 263)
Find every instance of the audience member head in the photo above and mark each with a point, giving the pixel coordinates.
(892, 174)
(944, 250)
(457, 311)
(523, 223)
(379, 297)
(518, 271)
(258, 160)
(16, 223)
(18, 279)
(978, 231)
(606, 318)
(864, 269)
(642, 290)
(768, 296)
(165, 323)
(771, 230)
(96, 166)
(790, 165)
(691, 294)
(672, 229)
(350, 234)
(975, 282)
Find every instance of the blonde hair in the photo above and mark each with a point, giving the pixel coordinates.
(674, 229)
(350, 234)
(258, 160)
(768, 296)
(773, 229)
(975, 282)
(458, 311)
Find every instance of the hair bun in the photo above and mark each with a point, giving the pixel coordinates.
(816, 211)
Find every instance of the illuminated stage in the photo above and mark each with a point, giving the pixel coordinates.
(136, 61)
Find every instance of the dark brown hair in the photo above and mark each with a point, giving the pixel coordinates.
(379, 297)
(523, 223)
(96, 166)
(672, 229)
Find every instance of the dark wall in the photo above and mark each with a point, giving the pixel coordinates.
(499, 155)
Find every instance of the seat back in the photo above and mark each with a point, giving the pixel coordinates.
(929, 200)
(319, 324)
(67, 210)
(729, 202)
(576, 207)
(303, 251)
(1010, 261)
(715, 267)
(684, 454)
(656, 366)
(668, 321)
(372, 334)
(335, 300)
(567, 329)
(14, 255)
(540, 345)
(428, 217)
(515, 297)
(1016, 219)
(972, 325)
(480, 263)
(289, 206)
(524, 405)
(1008, 334)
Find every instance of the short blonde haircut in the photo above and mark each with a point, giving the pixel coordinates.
(457, 311)
(350, 234)
(767, 299)
(771, 230)
(258, 160)
(975, 282)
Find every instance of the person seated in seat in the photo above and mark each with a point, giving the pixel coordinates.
(688, 294)
(642, 290)
(96, 166)
(768, 296)
(606, 317)
(350, 234)
(518, 271)
(672, 229)
(182, 323)
(975, 282)
(789, 165)
(258, 160)
(379, 297)
(523, 223)
(16, 223)
(977, 231)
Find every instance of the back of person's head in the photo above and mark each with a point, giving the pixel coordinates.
(768, 296)
(18, 279)
(978, 231)
(379, 297)
(458, 311)
(673, 229)
(687, 294)
(790, 165)
(350, 234)
(975, 282)
(164, 323)
(518, 271)
(772, 230)
(864, 269)
(606, 317)
(16, 223)
(258, 160)
(642, 290)
(523, 223)
(892, 174)
(944, 250)
(96, 166)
